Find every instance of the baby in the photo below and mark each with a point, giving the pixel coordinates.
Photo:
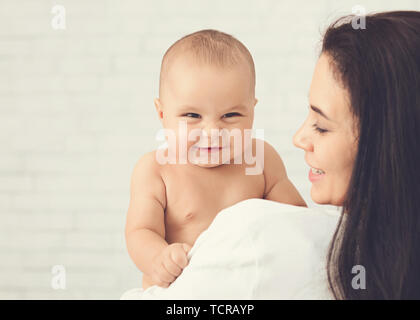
(207, 85)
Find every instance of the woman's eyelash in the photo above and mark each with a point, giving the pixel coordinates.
(318, 129)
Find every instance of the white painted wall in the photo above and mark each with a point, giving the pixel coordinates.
(76, 112)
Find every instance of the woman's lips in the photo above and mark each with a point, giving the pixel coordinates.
(314, 176)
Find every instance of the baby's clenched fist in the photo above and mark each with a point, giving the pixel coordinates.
(168, 265)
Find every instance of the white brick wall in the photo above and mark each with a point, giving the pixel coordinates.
(76, 112)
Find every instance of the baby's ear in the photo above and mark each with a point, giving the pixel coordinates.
(158, 106)
(255, 102)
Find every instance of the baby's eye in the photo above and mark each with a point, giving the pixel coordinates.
(231, 114)
(318, 129)
(191, 115)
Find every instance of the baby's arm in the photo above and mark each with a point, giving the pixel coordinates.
(277, 185)
(160, 262)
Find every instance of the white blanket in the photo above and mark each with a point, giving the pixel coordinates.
(256, 249)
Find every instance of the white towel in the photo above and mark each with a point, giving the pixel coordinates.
(256, 249)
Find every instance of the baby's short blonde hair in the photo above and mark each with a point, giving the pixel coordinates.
(211, 47)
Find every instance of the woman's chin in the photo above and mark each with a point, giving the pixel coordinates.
(318, 196)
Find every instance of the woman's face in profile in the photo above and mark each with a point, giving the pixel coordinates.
(328, 137)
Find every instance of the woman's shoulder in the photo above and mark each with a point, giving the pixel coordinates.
(258, 210)
(290, 245)
(298, 222)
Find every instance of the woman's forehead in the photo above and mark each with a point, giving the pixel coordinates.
(326, 93)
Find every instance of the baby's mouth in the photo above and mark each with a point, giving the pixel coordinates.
(209, 149)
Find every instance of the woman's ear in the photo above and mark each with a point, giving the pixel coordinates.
(255, 102)
(158, 106)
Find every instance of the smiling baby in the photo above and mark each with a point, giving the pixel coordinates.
(206, 101)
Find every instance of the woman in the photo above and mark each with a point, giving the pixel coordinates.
(375, 110)
(361, 140)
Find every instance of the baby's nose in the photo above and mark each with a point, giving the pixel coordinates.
(212, 132)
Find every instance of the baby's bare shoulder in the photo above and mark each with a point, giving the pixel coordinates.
(147, 163)
(274, 168)
(146, 177)
(271, 156)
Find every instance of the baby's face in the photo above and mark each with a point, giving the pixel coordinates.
(208, 97)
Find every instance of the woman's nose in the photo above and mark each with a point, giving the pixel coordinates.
(301, 139)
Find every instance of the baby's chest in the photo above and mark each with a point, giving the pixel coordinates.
(201, 196)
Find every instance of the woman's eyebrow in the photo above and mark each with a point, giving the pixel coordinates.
(319, 111)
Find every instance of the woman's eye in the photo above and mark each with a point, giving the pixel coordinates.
(318, 129)
(231, 114)
(191, 115)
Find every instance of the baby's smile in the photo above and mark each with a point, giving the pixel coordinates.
(215, 104)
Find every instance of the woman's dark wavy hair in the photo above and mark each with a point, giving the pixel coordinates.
(379, 227)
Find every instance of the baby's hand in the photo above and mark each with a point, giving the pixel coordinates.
(168, 265)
